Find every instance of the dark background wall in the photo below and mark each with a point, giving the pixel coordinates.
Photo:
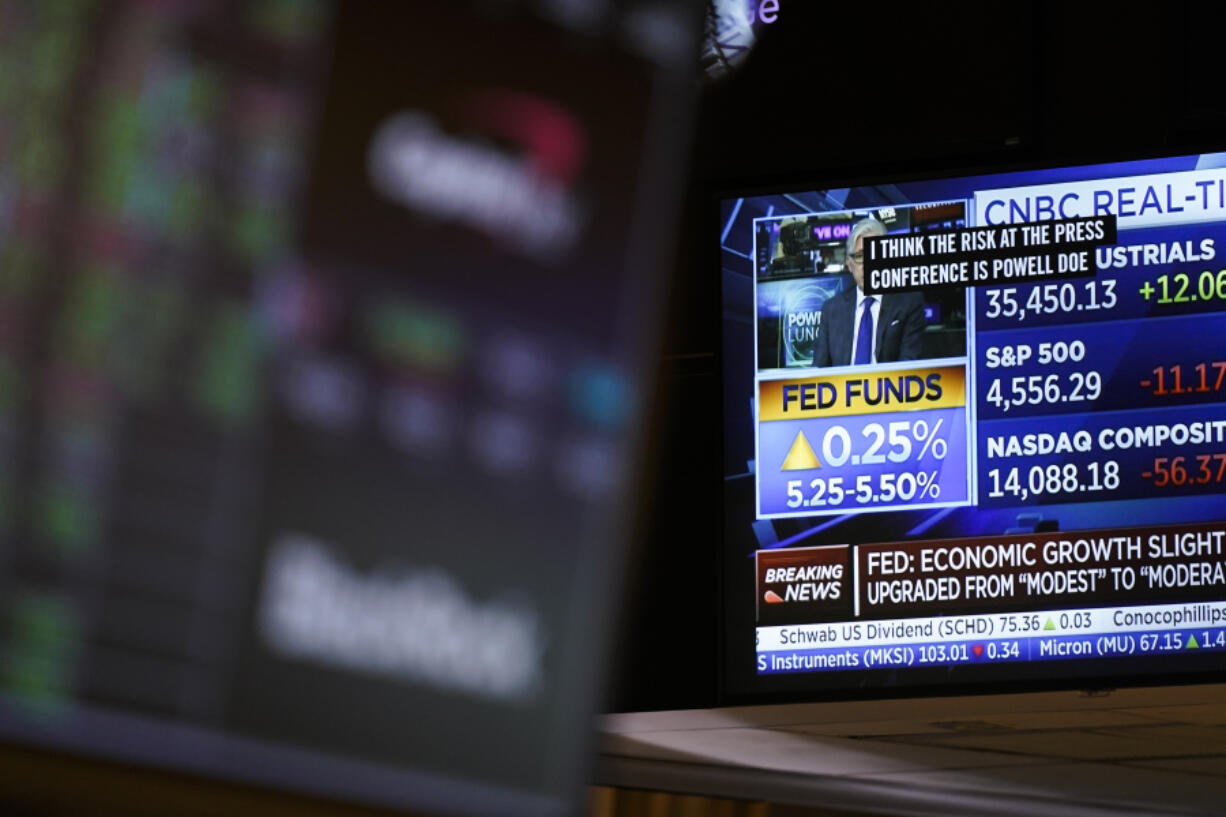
(831, 91)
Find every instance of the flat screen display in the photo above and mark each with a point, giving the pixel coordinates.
(975, 430)
(322, 328)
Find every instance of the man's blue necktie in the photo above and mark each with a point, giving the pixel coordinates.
(864, 339)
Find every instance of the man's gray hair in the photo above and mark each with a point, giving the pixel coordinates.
(865, 226)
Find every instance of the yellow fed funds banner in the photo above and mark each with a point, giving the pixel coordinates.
(862, 392)
(867, 438)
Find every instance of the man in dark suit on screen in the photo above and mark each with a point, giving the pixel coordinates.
(861, 329)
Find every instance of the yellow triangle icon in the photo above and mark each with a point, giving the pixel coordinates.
(801, 456)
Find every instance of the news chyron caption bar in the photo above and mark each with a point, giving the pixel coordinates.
(994, 400)
(1119, 592)
(985, 256)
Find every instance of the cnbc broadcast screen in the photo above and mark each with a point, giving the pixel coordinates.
(975, 431)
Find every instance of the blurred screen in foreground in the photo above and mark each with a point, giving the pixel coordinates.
(322, 332)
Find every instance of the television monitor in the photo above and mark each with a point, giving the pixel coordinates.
(1000, 462)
